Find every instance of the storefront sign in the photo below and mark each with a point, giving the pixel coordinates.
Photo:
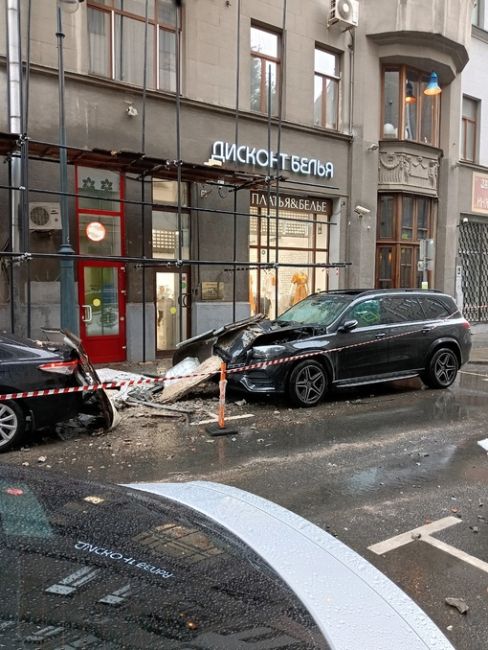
(286, 202)
(479, 200)
(224, 152)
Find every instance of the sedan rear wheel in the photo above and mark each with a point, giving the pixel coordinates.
(307, 384)
(442, 369)
(12, 424)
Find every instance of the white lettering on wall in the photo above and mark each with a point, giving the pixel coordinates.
(225, 152)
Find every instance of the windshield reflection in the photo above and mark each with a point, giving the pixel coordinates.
(102, 568)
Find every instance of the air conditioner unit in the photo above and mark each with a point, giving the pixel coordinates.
(345, 12)
(44, 216)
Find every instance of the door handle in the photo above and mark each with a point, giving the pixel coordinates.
(183, 299)
(380, 336)
(87, 315)
(427, 329)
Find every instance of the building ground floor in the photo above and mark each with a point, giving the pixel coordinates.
(162, 254)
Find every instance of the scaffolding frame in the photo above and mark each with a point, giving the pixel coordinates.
(138, 167)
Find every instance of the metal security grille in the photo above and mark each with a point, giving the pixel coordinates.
(473, 252)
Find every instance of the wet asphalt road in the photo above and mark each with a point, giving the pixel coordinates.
(366, 466)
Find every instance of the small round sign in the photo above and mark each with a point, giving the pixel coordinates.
(96, 231)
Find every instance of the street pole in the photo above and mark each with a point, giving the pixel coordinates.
(69, 315)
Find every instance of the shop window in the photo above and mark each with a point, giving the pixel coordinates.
(265, 70)
(115, 26)
(303, 239)
(408, 113)
(166, 192)
(326, 89)
(469, 129)
(403, 221)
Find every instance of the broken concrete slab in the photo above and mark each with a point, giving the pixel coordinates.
(209, 368)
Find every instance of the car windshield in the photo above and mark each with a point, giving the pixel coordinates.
(315, 310)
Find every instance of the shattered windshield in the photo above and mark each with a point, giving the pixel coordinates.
(315, 310)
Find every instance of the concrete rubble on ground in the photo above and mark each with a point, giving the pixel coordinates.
(182, 380)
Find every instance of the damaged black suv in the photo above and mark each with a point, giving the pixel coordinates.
(343, 339)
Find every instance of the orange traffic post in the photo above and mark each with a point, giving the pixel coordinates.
(219, 429)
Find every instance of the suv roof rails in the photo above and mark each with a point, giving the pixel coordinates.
(357, 292)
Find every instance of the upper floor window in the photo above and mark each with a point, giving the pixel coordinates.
(265, 70)
(469, 129)
(116, 32)
(326, 89)
(408, 113)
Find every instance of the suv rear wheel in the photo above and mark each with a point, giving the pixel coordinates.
(307, 384)
(12, 424)
(442, 369)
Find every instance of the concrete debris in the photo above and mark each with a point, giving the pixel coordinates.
(209, 368)
(458, 603)
(185, 367)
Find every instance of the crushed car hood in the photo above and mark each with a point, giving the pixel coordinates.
(233, 341)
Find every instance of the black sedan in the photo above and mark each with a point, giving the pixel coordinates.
(189, 566)
(342, 339)
(26, 366)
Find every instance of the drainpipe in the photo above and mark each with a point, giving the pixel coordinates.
(352, 45)
(14, 76)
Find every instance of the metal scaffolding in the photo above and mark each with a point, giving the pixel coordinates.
(19, 149)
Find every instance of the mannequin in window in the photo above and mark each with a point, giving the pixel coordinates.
(299, 287)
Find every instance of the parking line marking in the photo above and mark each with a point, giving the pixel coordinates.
(456, 552)
(411, 536)
(423, 534)
(483, 444)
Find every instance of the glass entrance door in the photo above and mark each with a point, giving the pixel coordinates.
(171, 308)
(102, 308)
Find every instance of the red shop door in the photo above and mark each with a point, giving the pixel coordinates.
(101, 283)
(102, 310)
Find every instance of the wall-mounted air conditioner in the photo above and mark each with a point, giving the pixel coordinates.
(345, 12)
(44, 216)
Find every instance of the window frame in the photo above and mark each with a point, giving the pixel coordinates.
(324, 78)
(477, 17)
(420, 82)
(397, 244)
(264, 59)
(153, 23)
(465, 122)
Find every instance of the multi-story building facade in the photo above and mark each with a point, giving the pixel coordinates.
(472, 262)
(242, 92)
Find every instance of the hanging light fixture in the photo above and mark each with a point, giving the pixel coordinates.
(409, 96)
(432, 87)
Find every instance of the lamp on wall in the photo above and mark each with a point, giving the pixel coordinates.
(409, 96)
(432, 87)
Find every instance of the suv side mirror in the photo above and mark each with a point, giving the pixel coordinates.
(348, 326)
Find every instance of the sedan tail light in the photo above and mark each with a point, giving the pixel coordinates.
(60, 367)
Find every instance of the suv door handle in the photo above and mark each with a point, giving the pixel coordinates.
(380, 336)
(429, 328)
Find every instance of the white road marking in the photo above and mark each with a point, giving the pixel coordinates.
(411, 536)
(423, 534)
(474, 374)
(215, 418)
(484, 444)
